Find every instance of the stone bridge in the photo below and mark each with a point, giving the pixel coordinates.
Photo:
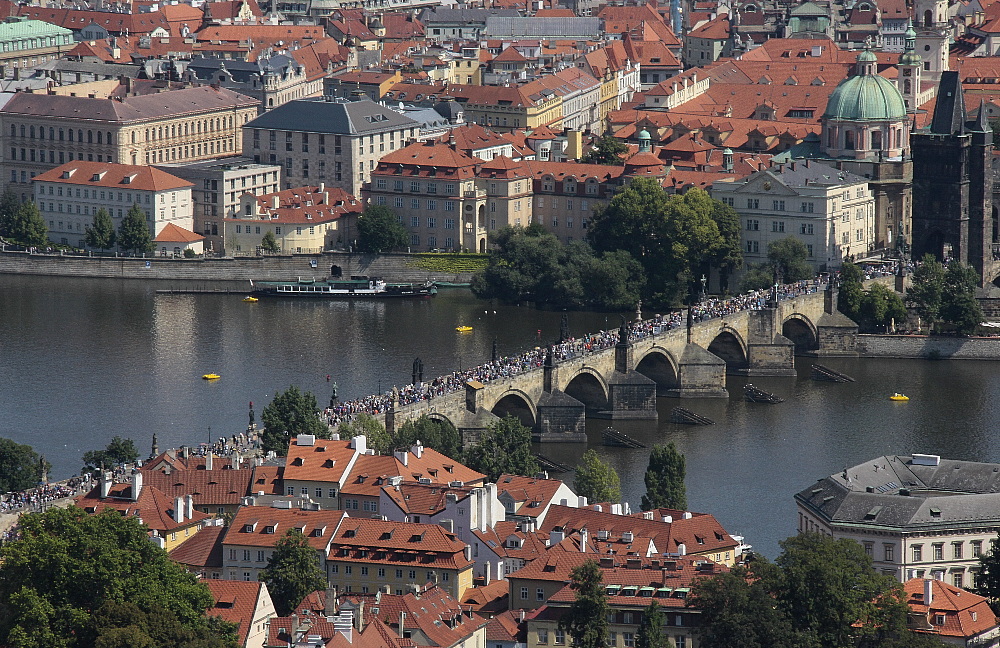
(622, 382)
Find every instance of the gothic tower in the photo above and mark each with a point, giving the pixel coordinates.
(953, 182)
(932, 36)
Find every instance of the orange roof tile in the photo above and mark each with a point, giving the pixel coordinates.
(385, 542)
(154, 508)
(235, 601)
(250, 526)
(203, 551)
(208, 487)
(117, 176)
(173, 234)
(952, 612)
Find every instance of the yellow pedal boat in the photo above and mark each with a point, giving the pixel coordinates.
(463, 329)
(899, 397)
(211, 376)
(251, 299)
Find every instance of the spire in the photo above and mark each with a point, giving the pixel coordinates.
(949, 112)
(982, 125)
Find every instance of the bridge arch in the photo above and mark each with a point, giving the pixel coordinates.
(730, 346)
(441, 418)
(517, 404)
(799, 329)
(660, 366)
(589, 387)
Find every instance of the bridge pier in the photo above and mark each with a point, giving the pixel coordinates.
(769, 353)
(701, 374)
(561, 419)
(836, 333)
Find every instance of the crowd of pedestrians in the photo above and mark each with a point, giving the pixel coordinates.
(34, 498)
(505, 367)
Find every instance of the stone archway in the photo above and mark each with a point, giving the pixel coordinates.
(590, 389)
(659, 366)
(730, 347)
(518, 405)
(801, 331)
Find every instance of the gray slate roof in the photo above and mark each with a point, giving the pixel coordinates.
(562, 27)
(337, 116)
(891, 491)
(449, 15)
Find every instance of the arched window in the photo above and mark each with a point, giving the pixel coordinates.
(849, 140)
(107, 137)
(90, 137)
(32, 131)
(907, 86)
(100, 137)
(877, 140)
(13, 130)
(928, 18)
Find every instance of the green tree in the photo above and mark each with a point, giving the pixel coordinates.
(788, 256)
(380, 231)
(432, 433)
(988, 577)
(665, 479)
(291, 413)
(64, 581)
(101, 233)
(650, 633)
(738, 609)
(833, 594)
(269, 244)
(27, 225)
(376, 436)
(505, 448)
(851, 291)
(119, 451)
(596, 480)
(9, 205)
(608, 150)
(586, 620)
(676, 238)
(292, 572)
(133, 232)
(759, 276)
(880, 306)
(20, 466)
(926, 293)
(959, 306)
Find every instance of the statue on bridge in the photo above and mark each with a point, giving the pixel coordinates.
(623, 331)
(564, 328)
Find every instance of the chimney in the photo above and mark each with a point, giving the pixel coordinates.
(189, 506)
(136, 484)
(402, 620)
(488, 575)
(417, 449)
(178, 509)
(106, 482)
(555, 537)
(331, 602)
(402, 456)
(275, 202)
(208, 461)
(185, 452)
(583, 540)
(928, 591)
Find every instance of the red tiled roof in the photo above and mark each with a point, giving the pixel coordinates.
(152, 506)
(434, 613)
(236, 602)
(208, 487)
(386, 542)
(488, 599)
(203, 551)
(116, 176)
(953, 612)
(717, 29)
(173, 234)
(250, 526)
(424, 499)
(324, 461)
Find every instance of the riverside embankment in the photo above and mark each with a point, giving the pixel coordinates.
(930, 347)
(231, 273)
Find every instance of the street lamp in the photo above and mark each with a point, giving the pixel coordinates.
(704, 280)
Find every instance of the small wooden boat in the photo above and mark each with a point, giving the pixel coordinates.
(211, 376)
(899, 398)
(250, 299)
(463, 329)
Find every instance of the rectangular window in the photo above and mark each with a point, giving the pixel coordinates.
(808, 207)
(753, 203)
(753, 225)
(958, 579)
(888, 552)
(397, 201)
(629, 639)
(524, 593)
(543, 635)
(918, 553)
(869, 548)
(414, 203)
(809, 249)
(381, 572)
(399, 573)
(956, 550)
(777, 226)
(364, 571)
(539, 594)
(414, 221)
(560, 637)
(449, 205)
(779, 205)
(977, 548)
(348, 569)
(939, 551)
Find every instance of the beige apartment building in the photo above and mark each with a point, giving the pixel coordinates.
(43, 131)
(327, 139)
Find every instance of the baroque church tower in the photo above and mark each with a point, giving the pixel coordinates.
(910, 71)
(932, 36)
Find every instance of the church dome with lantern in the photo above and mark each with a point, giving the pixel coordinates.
(865, 116)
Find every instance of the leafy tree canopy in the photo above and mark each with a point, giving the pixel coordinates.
(505, 448)
(665, 479)
(119, 451)
(380, 231)
(291, 413)
(758, 276)
(20, 466)
(788, 257)
(988, 578)
(650, 633)
(432, 433)
(927, 290)
(608, 150)
(851, 291)
(675, 238)
(881, 306)
(292, 572)
(377, 437)
(529, 264)
(586, 621)
(596, 480)
(959, 306)
(101, 233)
(270, 244)
(74, 580)
(133, 232)
(9, 204)
(27, 225)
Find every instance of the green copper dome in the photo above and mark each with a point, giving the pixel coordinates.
(867, 56)
(865, 97)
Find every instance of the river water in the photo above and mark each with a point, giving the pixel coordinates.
(82, 360)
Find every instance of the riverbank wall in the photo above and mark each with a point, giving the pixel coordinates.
(933, 347)
(232, 273)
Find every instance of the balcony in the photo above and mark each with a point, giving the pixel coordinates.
(475, 193)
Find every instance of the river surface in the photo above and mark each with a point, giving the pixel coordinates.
(82, 360)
